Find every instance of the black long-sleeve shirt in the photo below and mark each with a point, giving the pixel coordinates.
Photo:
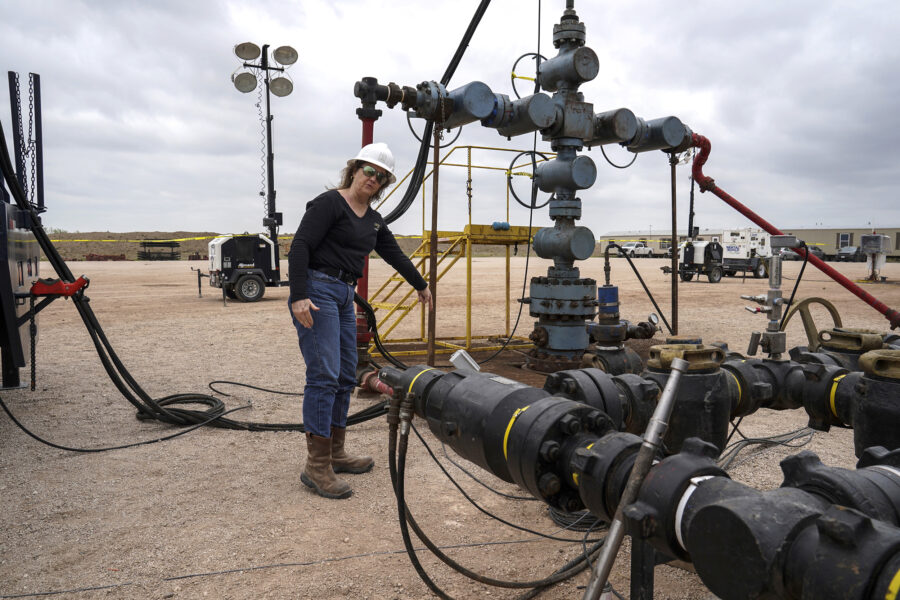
(332, 235)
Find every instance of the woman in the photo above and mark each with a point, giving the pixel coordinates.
(338, 230)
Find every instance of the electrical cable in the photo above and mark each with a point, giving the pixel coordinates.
(796, 285)
(634, 158)
(431, 145)
(537, 58)
(509, 174)
(397, 467)
(728, 456)
(480, 482)
(644, 285)
(247, 385)
(106, 449)
(475, 504)
(581, 520)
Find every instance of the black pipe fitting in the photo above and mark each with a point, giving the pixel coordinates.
(592, 387)
(842, 554)
(736, 535)
(705, 394)
(616, 360)
(656, 515)
(873, 491)
(600, 469)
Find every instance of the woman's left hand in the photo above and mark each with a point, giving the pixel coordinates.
(425, 297)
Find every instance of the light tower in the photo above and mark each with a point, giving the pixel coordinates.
(280, 85)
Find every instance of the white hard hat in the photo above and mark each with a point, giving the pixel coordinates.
(379, 155)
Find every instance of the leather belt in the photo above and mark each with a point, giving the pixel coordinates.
(348, 278)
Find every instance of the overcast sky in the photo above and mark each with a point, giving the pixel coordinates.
(144, 131)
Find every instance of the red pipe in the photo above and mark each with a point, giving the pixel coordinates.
(708, 184)
(363, 337)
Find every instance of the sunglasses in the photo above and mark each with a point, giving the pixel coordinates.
(370, 171)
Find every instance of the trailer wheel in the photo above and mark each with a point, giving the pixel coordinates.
(249, 288)
(715, 275)
(760, 271)
(687, 276)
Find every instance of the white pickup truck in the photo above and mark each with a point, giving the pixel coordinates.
(634, 249)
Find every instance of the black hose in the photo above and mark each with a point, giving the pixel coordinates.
(163, 409)
(644, 285)
(796, 285)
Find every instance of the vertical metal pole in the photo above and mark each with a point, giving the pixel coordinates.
(38, 144)
(469, 256)
(270, 156)
(674, 244)
(363, 337)
(432, 275)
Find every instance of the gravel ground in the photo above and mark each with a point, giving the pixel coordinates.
(222, 514)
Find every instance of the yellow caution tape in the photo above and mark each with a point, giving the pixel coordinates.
(187, 239)
(512, 420)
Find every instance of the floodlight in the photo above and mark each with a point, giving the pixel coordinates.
(285, 55)
(245, 82)
(281, 86)
(247, 51)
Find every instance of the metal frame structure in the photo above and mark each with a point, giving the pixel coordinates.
(397, 303)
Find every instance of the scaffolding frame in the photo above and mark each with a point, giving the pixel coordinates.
(397, 299)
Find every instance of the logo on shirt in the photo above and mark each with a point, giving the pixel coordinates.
(377, 226)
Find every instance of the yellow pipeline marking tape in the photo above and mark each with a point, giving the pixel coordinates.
(834, 386)
(512, 420)
(738, 382)
(411, 383)
(894, 588)
(575, 475)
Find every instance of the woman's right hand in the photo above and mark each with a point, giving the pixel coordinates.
(302, 311)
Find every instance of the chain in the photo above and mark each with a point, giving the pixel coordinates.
(262, 147)
(21, 132)
(31, 147)
(33, 331)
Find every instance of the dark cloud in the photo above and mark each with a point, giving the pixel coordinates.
(144, 130)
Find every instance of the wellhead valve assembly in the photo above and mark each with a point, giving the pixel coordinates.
(562, 301)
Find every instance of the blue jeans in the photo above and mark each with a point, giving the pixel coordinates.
(329, 351)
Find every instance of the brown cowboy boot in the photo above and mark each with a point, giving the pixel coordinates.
(342, 462)
(318, 473)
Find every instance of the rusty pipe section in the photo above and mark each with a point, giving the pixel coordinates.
(708, 184)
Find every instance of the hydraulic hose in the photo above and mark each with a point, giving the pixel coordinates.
(162, 409)
(708, 184)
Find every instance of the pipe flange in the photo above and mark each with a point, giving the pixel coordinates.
(698, 356)
(881, 363)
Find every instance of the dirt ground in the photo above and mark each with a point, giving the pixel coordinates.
(222, 514)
